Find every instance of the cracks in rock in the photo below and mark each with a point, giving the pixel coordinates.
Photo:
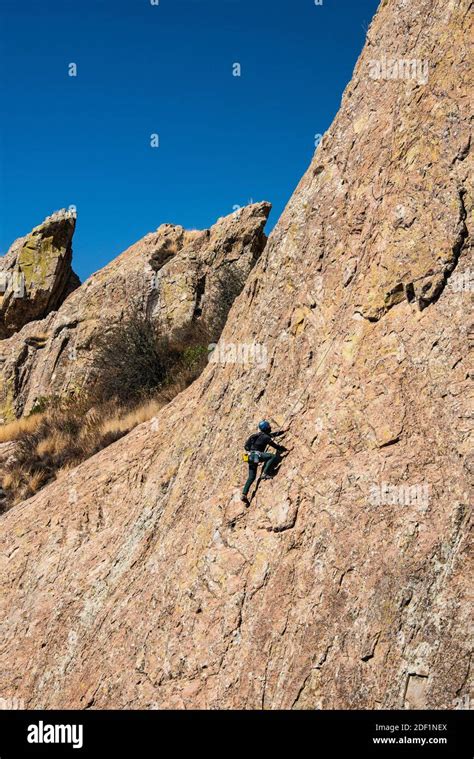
(343, 574)
(324, 656)
(19, 379)
(370, 652)
(390, 442)
(434, 281)
(265, 675)
(259, 395)
(262, 585)
(64, 343)
(301, 689)
(236, 632)
(200, 292)
(457, 249)
(313, 668)
(462, 152)
(65, 325)
(91, 699)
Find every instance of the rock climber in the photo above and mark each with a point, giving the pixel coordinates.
(255, 446)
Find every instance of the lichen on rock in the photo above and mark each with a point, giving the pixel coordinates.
(36, 273)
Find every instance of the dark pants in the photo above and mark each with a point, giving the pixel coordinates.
(269, 459)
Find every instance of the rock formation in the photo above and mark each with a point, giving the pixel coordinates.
(172, 274)
(139, 580)
(36, 274)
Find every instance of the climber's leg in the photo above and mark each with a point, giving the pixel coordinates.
(250, 479)
(270, 461)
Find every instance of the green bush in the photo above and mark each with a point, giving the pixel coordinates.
(40, 405)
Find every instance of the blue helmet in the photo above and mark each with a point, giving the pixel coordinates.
(265, 426)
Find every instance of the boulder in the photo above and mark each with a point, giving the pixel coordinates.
(36, 274)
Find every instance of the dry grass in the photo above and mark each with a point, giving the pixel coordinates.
(11, 480)
(35, 483)
(122, 423)
(53, 444)
(62, 438)
(14, 430)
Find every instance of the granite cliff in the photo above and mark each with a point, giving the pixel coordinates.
(140, 580)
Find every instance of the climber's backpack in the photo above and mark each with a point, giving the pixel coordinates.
(248, 445)
(249, 454)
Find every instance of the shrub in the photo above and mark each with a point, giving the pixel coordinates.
(40, 405)
(133, 358)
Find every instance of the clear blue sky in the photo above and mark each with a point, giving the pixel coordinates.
(165, 69)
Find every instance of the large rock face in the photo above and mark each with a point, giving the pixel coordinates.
(173, 275)
(140, 580)
(36, 274)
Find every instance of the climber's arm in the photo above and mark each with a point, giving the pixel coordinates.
(277, 446)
